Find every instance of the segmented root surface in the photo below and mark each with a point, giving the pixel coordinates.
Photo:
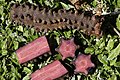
(47, 19)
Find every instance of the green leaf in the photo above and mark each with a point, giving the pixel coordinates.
(27, 77)
(102, 45)
(70, 6)
(26, 70)
(118, 21)
(13, 78)
(117, 64)
(1, 10)
(110, 44)
(2, 78)
(15, 73)
(48, 3)
(117, 72)
(15, 45)
(94, 3)
(114, 53)
(58, 56)
(4, 67)
(4, 52)
(26, 34)
(103, 59)
(30, 66)
(89, 50)
(21, 39)
(106, 68)
(20, 28)
(32, 31)
(114, 77)
(3, 44)
(66, 6)
(112, 62)
(2, 2)
(67, 34)
(30, 1)
(13, 58)
(117, 3)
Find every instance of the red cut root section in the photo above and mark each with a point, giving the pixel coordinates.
(49, 72)
(67, 48)
(82, 63)
(33, 49)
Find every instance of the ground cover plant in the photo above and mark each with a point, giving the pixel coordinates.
(105, 50)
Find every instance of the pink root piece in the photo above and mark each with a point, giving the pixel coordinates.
(49, 72)
(82, 63)
(67, 48)
(33, 49)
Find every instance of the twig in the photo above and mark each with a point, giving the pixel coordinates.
(116, 31)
